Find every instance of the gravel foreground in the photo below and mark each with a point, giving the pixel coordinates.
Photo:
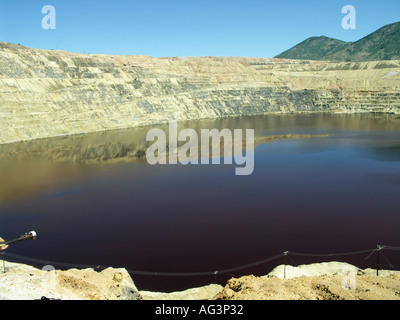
(311, 288)
(322, 281)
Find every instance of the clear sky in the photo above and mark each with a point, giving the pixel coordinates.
(253, 28)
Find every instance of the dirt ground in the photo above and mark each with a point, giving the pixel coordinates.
(325, 287)
(323, 281)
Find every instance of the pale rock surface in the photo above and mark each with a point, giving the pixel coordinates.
(22, 282)
(200, 293)
(310, 270)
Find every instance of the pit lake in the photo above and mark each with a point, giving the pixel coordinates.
(332, 187)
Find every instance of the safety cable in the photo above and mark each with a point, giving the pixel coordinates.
(330, 254)
(387, 260)
(390, 248)
(367, 257)
(205, 273)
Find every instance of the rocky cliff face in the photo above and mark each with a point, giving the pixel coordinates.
(55, 93)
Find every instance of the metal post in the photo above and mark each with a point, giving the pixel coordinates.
(378, 248)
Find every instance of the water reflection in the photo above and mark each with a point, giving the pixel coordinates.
(130, 144)
(28, 168)
(386, 151)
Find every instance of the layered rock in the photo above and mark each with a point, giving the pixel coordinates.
(55, 93)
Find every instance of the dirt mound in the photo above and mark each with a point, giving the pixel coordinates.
(326, 287)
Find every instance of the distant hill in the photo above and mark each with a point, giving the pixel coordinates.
(383, 44)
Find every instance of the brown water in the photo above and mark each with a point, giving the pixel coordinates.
(94, 200)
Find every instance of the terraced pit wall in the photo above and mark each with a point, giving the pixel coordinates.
(56, 93)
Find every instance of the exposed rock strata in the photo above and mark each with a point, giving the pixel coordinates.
(54, 93)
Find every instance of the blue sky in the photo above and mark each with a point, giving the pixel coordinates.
(253, 28)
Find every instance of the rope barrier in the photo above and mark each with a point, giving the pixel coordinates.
(390, 248)
(205, 273)
(387, 261)
(144, 273)
(47, 262)
(330, 254)
(252, 264)
(367, 258)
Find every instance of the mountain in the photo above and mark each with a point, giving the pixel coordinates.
(314, 48)
(383, 44)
